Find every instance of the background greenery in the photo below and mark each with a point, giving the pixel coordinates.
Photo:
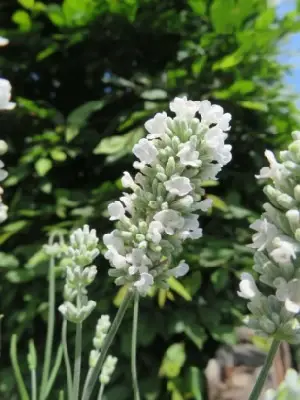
(86, 75)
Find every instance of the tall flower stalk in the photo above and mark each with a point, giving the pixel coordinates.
(275, 305)
(161, 212)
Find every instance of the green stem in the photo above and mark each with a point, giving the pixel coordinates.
(77, 363)
(33, 385)
(15, 364)
(67, 358)
(133, 347)
(61, 395)
(92, 378)
(50, 326)
(54, 371)
(256, 391)
(101, 390)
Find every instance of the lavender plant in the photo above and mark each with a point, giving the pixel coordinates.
(153, 222)
(275, 304)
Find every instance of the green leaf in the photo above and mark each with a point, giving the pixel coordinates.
(198, 6)
(22, 18)
(56, 15)
(178, 287)
(27, 3)
(154, 94)
(254, 105)
(229, 61)
(173, 361)
(217, 202)
(195, 382)
(220, 279)
(58, 155)
(119, 144)
(42, 166)
(8, 261)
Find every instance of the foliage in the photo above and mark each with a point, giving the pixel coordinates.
(86, 75)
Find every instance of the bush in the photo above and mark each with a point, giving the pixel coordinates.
(86, 75)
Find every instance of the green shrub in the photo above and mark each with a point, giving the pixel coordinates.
(86, 75)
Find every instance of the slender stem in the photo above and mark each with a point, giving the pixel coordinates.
(15, 364)
(54, 371)
(92, 378)
(67, 358)
(61, 395)
(256, 391)
(101, 390)
(133, 347)
(50, 327)
(33, 385)
(77, 363)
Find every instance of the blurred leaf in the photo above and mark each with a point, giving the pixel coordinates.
(8, 261)
(27, 3)
(179, 288)
(217, 202)
(42, 166)
(219, 279)
(195, 383)
(119, 144)
(173, 361)
(229, 61)
(198, 6)
(254, 105)
(22, 19)
(154, 94)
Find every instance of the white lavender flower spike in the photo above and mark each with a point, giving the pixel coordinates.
(176, 156)
(277, 245)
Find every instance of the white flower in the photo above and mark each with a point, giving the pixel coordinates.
(170, 219)
(223, 122)
(116, 210)
(266, 232)
(275, 169)
(3, 173)
(181, 269)
(145, 151)
(284, 251)
(188, 155)
(144, 283)
(184, 108)
(3, 212)
(156, 126)
(179, 185)
(3, 41)
(127, 200)
(127, 181)
(248, 288)
(205, 205)
(140, 262)
(155, 230)
(191, 228)
(108, 369)
(113, 240)
(210, 171)
(211, 114)
(289, 292)
(3, 147)
(117, 260)
(5, 94)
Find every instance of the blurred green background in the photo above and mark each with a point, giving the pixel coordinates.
(86, 75)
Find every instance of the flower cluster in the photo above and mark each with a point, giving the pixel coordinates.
(82, 250)
(176, 156)
(275, 309)
(5, 104)
(289, 389)
(109, 365)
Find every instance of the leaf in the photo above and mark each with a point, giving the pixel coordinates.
(220, 279)
(58, 155)
(198, 6)
(221, 17)
(42, 166)
(154, 94)
(120, 296)
(217, 202)
(195, 382)
(178, 287)
(173, 361)
(119, 144)
(176, 395)
(22, 18)
(229, 61)
(254, 105)
(162, 297)
(8, 261)
(56, 15)
(27, 3)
